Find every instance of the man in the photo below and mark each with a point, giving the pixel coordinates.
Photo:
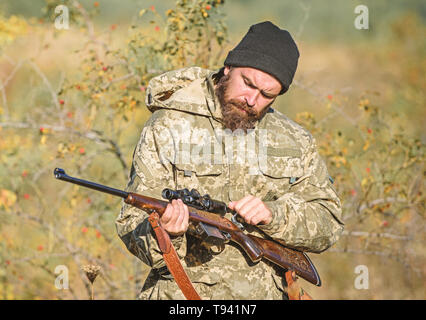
(193, 139)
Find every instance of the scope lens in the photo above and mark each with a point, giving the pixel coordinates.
(167, 194)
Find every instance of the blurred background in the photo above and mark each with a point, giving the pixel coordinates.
(72, 90)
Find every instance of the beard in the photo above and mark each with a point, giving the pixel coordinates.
(233, 116)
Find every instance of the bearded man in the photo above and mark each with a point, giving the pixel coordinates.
(281, 187)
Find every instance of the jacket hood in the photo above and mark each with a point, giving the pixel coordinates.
(188, 90)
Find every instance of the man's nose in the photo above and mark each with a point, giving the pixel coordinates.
(251, 98)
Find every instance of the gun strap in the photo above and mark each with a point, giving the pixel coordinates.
(294, 291)
(171, 258)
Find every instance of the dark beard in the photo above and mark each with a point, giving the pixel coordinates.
(232, 117)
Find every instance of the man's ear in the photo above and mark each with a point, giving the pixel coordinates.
(226, 70)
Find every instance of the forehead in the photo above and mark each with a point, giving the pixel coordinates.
(260, 78)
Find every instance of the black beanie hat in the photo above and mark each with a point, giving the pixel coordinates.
(268, 48)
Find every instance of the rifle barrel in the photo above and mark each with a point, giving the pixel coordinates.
(61, 175)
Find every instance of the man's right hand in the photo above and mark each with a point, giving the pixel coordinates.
(175, 218)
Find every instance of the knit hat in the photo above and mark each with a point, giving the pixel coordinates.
(268, 48)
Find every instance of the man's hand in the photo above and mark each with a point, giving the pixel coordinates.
(175, 218)
(252, 209)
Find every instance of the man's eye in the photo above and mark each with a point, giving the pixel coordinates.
(249, 84)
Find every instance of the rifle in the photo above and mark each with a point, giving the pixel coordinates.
(214, 227)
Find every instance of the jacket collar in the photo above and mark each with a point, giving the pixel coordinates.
(213, 103)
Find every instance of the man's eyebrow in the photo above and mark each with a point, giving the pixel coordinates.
(267, 94)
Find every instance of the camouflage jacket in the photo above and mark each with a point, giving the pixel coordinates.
(183, 145)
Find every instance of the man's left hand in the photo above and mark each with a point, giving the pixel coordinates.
(252, 209)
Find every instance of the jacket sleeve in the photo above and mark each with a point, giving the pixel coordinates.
(151, 172)
(308, 217)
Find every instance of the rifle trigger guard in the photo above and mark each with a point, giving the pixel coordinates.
(235, 221)
(227, 236)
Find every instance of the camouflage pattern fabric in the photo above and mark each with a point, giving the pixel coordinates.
(183, 145)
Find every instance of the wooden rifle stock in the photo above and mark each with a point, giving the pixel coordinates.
(255, 247)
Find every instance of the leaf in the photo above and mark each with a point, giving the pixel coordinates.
(366, 145)
(7, 198)
(43, 139)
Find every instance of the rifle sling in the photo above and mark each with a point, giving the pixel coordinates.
(171, 258)
(294, 291)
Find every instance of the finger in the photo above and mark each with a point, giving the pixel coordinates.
(180, 214)
(176, 212)
(167, 215)
(240, 203)
(232, 204)
(180, 224)
(186, 217)
(171, 217)
(251, 212)
(169, 225)
(183, 221)
(261, 214)
(256, 216)
(250, 207)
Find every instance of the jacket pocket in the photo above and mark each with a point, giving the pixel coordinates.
(199, 170)
(280, 162)
(207, 178)
(279, 168)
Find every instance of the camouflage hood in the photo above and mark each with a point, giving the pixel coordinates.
(188, 90)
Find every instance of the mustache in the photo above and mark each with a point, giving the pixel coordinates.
(251, 113)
